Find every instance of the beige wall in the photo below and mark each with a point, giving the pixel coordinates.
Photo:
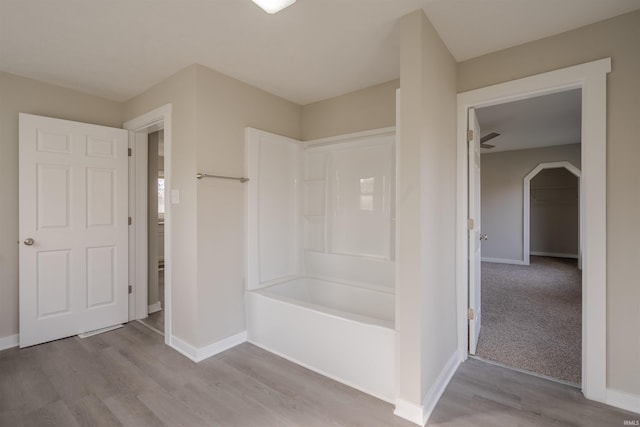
(179, 90)
(225, 107)
(502, 191)
(22, 95)
(210, 112)
(616, 38)
(370, 108)
(425, 228)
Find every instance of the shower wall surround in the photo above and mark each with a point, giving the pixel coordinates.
(322, 208)
(348, 210)
(320, 254)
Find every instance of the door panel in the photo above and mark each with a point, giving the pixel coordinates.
(474, 234)
(52, 283)
(73, 204)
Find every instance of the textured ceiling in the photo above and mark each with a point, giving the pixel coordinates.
(542, 121)
(313, 50)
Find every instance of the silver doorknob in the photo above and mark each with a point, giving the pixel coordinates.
(484, 237)
(29, 241)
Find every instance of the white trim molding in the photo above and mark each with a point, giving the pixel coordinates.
(155, 120)
(592, 79)
(439, 386)
(526, 211)
(198, 354)
(410, 411)
(420, 414)
(503, 261)
(9, 341)
(626, 401)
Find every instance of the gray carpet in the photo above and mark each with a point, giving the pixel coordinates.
(532, 317)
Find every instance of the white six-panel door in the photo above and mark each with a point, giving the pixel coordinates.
(73, 228)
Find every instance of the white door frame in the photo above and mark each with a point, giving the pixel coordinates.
(139, 128)
(526, 197)
(592, 79)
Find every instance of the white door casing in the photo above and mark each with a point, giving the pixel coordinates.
(73, 204)
(592, 78)
(139, 127)
(474, 233)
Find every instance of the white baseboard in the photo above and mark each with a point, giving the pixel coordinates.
(420, 414)
(554, 254)
(622, 400)
(9, 341)
(410, 411)
(436, 390)
(199, 354)
(504, 261)
(156, 306)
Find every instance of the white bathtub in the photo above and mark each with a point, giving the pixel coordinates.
(341, 331)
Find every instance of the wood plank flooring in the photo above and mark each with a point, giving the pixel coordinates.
(129, 377)
(483, 394)
(156, 320)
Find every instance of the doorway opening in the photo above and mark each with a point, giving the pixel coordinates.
(150, 134)
(591, 79)
(531, 305)
(155, 231)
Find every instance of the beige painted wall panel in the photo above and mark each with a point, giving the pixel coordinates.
(616, 38)
(438, 212)
(370, 108)
(408, 205)
(501, 190)
(22, 95)
(225, 107)
(425, 266)
(180, 91)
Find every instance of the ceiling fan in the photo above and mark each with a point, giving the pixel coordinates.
(484, 139)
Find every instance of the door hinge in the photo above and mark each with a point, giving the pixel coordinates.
(470, 314)
(130, 221)
(130, 289)
(471, 224)
(129, 151)
(469, 135)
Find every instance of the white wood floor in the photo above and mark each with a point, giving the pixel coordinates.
(129, 377)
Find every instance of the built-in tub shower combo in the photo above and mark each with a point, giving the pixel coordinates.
(320, 254)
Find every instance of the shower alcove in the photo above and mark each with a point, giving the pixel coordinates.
(320, 254)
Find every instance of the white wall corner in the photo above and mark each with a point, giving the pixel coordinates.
(441, 383)
(220, 346)
(198, 354)
(420, 414)
(183, 348)
(410, 411)
(622, 400)
(9, 341)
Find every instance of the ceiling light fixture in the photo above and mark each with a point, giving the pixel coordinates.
(274, 6)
